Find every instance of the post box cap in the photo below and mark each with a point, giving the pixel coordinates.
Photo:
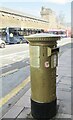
(41, 37)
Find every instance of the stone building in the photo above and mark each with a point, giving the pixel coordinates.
(11, 18)
(50, 16)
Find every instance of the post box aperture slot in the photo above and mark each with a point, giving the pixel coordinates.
(55, 50)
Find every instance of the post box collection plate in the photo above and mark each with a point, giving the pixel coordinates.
(35, 56)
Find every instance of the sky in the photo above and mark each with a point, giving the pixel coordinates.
(33, 7)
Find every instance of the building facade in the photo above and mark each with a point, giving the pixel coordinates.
(11, 18)
(50, 16)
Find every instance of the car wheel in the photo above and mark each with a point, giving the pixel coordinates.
(2, 45)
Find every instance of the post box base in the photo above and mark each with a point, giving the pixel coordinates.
(43, 110)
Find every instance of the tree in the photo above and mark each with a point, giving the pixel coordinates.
(61, 18)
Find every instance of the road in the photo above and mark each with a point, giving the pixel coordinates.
(15, 59)
(13, 53)
(14, 70)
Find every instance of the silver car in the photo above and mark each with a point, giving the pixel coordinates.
(2, 43)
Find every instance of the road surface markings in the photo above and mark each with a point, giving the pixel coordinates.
(9, 55)
(14, 92)
(9, 72)
(5, 66)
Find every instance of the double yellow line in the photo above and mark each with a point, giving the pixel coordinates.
(14, 92)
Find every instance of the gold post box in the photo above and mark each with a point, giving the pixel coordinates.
(43, 62)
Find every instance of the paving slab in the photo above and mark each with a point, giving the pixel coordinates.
(13, 112)
(24, 100)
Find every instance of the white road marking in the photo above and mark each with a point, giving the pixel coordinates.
(6, 66)
(9, 72)
(13, 54)
(12, 58)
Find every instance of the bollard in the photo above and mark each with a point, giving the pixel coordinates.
(43, 63)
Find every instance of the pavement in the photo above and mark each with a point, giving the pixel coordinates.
(64, 91)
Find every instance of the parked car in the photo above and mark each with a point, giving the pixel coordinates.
(2, 43)
(20, 39)
(17, 39)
